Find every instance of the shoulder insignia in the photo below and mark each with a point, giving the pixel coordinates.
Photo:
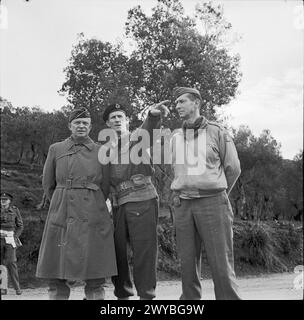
(227, 137)
(213, 123)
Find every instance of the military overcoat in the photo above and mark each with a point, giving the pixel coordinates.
(77, 241)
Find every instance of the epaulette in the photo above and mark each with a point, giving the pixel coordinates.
(213, 123)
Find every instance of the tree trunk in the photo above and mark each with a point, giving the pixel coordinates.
(241, 200)
(33, 154)
(20, 154)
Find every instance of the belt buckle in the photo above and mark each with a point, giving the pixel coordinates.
(69, 184)
(138, 180)
(123, 186)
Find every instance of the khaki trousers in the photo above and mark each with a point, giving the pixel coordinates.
(208, 221)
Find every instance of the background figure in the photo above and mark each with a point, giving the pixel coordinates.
(11, 228)
(135, 207)
(77, 242)
(203, 213)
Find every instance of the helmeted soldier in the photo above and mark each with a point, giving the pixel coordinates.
(11, 227)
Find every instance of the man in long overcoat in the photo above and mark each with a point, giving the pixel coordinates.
(77, 242)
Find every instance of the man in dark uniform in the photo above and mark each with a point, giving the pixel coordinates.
(135, 207)
(11, 228)
(203, 213)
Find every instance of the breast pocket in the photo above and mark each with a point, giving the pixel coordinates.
(212, 153)
(11, 217)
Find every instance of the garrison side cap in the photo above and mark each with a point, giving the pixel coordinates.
(178, 91)
(79, 113)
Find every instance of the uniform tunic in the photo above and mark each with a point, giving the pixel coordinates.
(10, 221)
(206, 165)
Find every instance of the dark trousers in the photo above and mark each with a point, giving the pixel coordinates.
(135, 224)
(60, 290)
(9, 259)
(208, 221)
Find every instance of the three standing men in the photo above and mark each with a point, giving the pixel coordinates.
(203, 213)
(77, 242)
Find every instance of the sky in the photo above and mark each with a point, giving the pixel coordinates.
(36, 39)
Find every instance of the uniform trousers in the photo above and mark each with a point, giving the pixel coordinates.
(9, 259)
(60, 290)
(206, 221)
(135, 225)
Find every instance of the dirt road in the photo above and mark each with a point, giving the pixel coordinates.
(266, 287)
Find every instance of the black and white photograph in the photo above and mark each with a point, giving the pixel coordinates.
(151, 150)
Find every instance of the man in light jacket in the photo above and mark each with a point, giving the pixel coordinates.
(206, 167)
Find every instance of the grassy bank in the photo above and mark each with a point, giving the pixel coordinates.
(259, 247)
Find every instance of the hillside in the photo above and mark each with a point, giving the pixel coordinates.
(260, 247)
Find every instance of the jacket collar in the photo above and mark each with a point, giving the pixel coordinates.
(88, 143)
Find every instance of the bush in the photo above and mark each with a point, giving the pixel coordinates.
(167, 255)
(277, 248)
(258, 247)
(28, 253)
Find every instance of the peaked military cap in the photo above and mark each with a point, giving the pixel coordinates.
(79, 113)
(6, 195)
(178, 91)
(112, 108)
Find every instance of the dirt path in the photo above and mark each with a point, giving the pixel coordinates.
(266, 287)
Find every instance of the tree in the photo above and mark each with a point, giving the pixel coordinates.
(291, 184)
(169, 52)
(26, 133)
(99, 74)
(257, 189)
(173, 53)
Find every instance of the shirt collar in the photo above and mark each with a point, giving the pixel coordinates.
(88, 143)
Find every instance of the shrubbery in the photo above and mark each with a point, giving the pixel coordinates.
(266, 246)
(259, 246)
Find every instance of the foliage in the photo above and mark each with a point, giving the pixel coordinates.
(269, 187)
(28, 132)
(170, 51)
(99, 74)
(267, 246)
(276, 247)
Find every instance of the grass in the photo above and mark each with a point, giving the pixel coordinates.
(259, 247)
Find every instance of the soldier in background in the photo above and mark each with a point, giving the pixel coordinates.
(11, 228)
